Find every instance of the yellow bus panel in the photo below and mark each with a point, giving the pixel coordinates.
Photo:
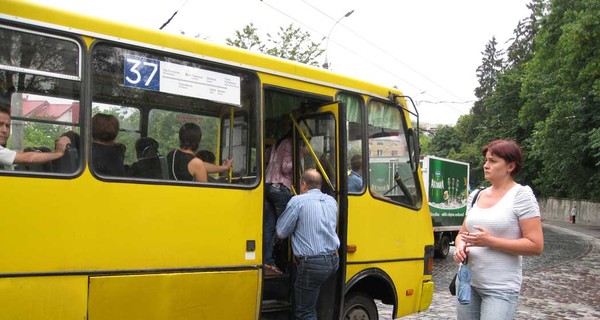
(44, 298)
(207, 295)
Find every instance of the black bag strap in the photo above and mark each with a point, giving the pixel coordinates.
(476, 196)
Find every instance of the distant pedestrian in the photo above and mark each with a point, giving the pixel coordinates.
(503, 225)
(573, 214)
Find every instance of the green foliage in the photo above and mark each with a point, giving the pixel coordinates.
(41, 134)
(424, 142)
(546, 97)
(490, 68)
(289, 43)
(444, 141)
(561, 90)
(246, 39)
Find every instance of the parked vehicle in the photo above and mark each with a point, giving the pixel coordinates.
(447, 186)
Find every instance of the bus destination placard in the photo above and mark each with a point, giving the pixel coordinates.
(155, 75)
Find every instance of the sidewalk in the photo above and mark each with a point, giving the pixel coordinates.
(589, 230)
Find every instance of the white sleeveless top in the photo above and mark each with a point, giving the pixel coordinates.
(493, 269)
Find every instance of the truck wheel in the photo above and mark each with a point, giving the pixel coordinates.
(444, 247)
(359, 306)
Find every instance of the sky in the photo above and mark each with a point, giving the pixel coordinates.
(429, 49)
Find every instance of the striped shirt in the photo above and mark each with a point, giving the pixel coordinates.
(311, 219)
(493, 269)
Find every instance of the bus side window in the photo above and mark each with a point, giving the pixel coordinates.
(355, 114)
(389, 160)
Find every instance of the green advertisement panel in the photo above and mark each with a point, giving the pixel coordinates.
(448, 191)
(382, 176)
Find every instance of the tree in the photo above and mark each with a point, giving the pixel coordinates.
(562, 91)
(490, 68)
(248, 38)
(523, 42)
(444, 141)
(289, 43)
(487, 74)
(494, 114)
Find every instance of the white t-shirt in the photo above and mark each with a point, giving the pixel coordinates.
(493, 269)
(7, 156)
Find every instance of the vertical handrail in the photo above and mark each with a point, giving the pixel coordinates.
(312, 151)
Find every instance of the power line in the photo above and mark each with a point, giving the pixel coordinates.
(343, 46)
(382, 68)
(173, 16)
(384, 51)
(394, 58)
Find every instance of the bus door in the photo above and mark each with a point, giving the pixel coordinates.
(319, 143)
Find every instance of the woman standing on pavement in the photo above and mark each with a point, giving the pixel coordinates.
(503, 225)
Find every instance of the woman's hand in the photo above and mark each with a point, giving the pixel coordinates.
(477, 239)
(461, 251)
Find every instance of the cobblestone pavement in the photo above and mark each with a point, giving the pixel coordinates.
(562, 283)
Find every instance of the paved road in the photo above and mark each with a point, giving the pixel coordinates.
(562, 283)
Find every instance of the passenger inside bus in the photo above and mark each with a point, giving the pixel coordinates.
(69, 161)
(278, 185)
(74, 137)
(107, 157)
(210, 160)
(42, 167)
(183, 163)
(148, 164)
(207, 156)
(355, 179)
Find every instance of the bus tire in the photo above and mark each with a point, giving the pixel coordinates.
(360, 306)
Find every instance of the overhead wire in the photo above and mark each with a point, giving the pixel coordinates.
(382, 68)
(341, 45)
(376, 65)
(173, 16)
(385, 52)
(395, 59)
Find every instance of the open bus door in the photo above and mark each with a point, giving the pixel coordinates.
(319, 143)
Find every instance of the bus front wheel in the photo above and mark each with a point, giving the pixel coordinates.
(359, 306)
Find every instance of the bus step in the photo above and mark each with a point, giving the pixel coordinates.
(275, 310)
(276, 287)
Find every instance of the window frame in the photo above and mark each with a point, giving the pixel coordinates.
(249, 108)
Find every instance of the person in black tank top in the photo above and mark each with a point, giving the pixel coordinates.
(178, 165)
(183, 164)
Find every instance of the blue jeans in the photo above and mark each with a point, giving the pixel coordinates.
(277, 197)
(269, 224)
(489, 304)
(313, 271)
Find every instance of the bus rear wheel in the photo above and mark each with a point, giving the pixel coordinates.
(359, 306)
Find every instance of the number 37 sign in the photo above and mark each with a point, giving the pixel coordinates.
(156, 75)
(142, 73)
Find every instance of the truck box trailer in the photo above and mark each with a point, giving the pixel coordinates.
(447, 186)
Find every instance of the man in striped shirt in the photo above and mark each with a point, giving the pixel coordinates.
(311, 218)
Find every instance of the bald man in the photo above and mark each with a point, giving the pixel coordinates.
(311, 217)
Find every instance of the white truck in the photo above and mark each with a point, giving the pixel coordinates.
(447, 185)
